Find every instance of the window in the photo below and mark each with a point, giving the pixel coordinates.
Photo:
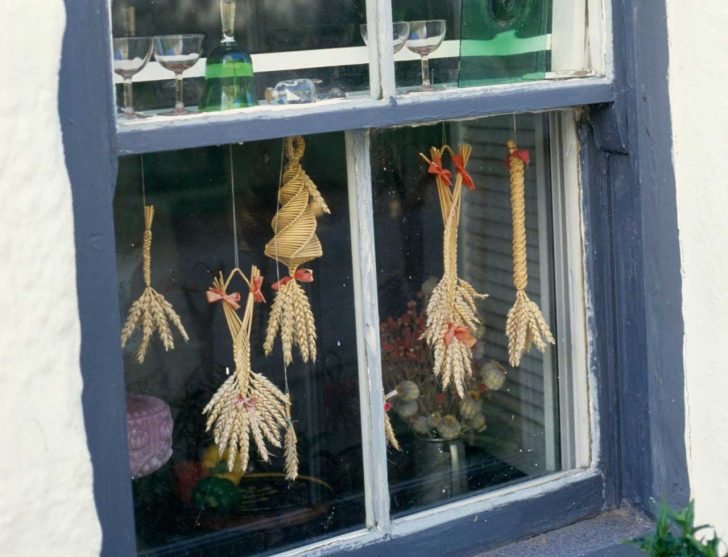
(363, 153)
(214, 210)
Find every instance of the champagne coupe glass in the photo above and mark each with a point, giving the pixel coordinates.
(178, 53)
(400, 32)
(424, 38)
(130, 56)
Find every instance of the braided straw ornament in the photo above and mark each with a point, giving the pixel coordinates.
(151, 310)
(525, 325)
(247, 405)
(451, 310)
(294, 243)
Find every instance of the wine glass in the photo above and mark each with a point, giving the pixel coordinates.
(424, 38)
(178, 53)
(400, 32)
(130, 56)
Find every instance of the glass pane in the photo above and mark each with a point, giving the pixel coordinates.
(188, 502)
(505, 426)
(318, 41)
(464, 43)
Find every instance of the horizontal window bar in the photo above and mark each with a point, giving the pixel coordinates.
(265, 122)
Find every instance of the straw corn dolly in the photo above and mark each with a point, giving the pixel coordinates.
(151, 311)
(451, 310)
(293, 244)
(525, 325)
(248, 408)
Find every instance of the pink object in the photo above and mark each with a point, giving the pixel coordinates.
(149, 433)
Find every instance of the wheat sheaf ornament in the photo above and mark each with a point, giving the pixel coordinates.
(451, 311)
(152, 312)
(293, 244)
(248, 409)
(525, 325)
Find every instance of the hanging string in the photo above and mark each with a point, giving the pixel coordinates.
(235, 217)
(515, 129)
(275, 243)
(144, 188)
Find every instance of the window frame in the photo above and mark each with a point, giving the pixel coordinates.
(627, 208)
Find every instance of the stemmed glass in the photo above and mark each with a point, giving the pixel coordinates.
(130, 56)
(400, 32)
(178, 53)
(424, 38)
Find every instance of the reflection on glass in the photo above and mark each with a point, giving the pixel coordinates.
(426, 37)
(505, 429)
(192, 504)
(178, 53)
(131, 54)
(400, 32)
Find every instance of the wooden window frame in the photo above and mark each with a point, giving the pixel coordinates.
(631, 265)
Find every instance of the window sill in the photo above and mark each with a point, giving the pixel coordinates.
(601, 536)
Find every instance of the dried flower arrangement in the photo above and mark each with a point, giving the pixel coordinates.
(151, 310)
(248, 405)
(451, 311)
(525, 325)
(413, 392)
(294, 243)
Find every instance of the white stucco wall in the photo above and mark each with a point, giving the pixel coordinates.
(46, 497)
(46, 502)
(699, 106)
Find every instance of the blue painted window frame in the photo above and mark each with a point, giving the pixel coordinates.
(631, 258)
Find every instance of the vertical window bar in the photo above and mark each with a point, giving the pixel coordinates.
(570, 294)
(381, 57)
(374, 444)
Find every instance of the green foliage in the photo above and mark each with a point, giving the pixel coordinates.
(675, 536)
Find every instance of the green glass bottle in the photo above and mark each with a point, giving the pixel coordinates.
(229, 79)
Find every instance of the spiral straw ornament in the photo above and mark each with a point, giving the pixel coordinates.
(151, 310)
(451, 309)
(293, 244)
(248, 408)
(525, 325)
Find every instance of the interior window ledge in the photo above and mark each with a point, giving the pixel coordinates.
(601, 536)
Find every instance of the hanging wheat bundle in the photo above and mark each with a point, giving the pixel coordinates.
(525, 326)
(294, 243)
(151, 311)
(248, 407)
(451, 310)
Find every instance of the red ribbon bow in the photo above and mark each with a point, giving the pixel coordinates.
(247, 403)
(461, 333)
(301, 275)
(437, 169)
(255, 289)
(521, 154)
(459, 163)
(216, 295)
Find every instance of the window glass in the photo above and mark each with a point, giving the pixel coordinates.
(245, 53)
(484, 42)
(318, 41)
(505, 427)
(186, 499)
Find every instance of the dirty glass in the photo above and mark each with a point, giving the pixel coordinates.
(213, 206)
(504, 428)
